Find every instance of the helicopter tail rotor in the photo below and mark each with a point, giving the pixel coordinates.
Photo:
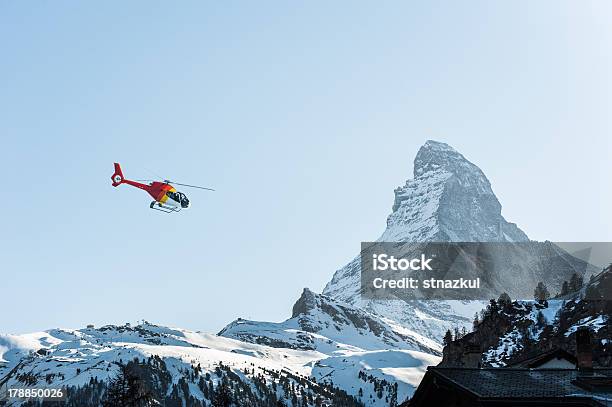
(117, 177)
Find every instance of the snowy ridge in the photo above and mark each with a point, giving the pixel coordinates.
(322, 324)
(94, 351)
(63, 357)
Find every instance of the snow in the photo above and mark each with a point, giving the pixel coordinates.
(594, 323)
(330, 327)
(76, 356)
(511, 342)
(550, 312)
(508, 344)
(402, 366)
(415, 219)
(354, 341)
(12, 345)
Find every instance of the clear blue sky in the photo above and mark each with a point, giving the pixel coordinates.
(303, 115)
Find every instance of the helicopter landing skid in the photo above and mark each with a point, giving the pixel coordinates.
(163, 208)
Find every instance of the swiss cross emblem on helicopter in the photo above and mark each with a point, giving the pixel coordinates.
(166, 198)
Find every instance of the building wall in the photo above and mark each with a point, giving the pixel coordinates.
(557, 364)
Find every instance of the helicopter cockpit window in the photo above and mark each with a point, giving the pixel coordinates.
(183, 199)
(174, 196)
(179, 197)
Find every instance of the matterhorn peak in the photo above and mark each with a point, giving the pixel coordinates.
(437, 156)
(433, 145)
(449, 199)
(434, 155)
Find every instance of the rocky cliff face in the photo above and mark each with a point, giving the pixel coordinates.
(449, 199)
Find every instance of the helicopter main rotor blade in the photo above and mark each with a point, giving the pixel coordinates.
(187, 185)
(167, 181)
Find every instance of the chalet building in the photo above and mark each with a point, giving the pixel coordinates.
(551, 379)
(553, 359)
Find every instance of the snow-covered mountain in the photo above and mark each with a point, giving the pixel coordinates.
(358, 344)
(85, 357)
(193, 366)
(448, 199)
(325, 325)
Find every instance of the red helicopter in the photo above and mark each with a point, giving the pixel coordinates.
(166, 198)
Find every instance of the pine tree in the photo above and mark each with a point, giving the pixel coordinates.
(540, 319)
(565, 288)
(493, 306)
(576, 282)
(448, 338)
(128, 390)
(592, 293)
(541, 292)
(222, 396)
(504, 300)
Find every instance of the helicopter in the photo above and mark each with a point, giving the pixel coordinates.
(166, 198)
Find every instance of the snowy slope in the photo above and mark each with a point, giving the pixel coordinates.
(64, 357)
(404, 367)
(74, 357)
(354, 341)
(93, 350)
